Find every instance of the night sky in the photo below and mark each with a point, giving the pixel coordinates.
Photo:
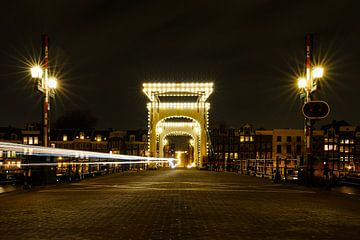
(252, 50)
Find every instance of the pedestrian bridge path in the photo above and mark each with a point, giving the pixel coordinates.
(178, 204)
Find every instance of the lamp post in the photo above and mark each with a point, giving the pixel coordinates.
(46, 85)
(307, 85)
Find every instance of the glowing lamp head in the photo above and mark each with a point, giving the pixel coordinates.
(302, 83)
(52, 83)
(36, 72)
(318, 72)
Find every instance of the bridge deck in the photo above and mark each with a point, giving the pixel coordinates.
(178, 204)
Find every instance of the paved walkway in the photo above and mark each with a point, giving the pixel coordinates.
(178, 204)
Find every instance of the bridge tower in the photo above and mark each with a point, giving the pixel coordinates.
(178, 109)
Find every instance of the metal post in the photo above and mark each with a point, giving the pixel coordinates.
(308, 123)
(46, 102)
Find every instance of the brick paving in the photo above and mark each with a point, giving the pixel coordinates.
(178, 204)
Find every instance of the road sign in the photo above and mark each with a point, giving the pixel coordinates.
(316, 110)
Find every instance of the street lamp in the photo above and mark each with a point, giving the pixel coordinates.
(307, 85)
(47, 86)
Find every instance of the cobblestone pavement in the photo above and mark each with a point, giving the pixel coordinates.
(178, 204)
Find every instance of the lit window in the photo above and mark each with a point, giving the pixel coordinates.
(326, 140)
(246, 138)
(25, 140)
(82, 135)
(226, 156)
(235, 155)
(330, 147)
(351, 141)
(241, 138)
(251, 138)
(98, 138)
(335, 147)
(346, 149)
(326, 147)
(65, 138)
(341, 148)
(342, 141)
(36, 140)
(347, 141)
(31, 141)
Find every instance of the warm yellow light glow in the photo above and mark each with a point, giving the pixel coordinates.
(178, 89)
(318, 72)
(52, 83)
(159, 130)
(36, 72)
(192, 142)
(165, 142)
(302, 83)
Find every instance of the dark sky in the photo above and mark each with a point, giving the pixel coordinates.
(253, 50)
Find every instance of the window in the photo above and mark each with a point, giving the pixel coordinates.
(31, 141)
(326, 147)
(98, 138)
(241, 138)
(144, 137)
(65, 138)
(132, 138)
(288, 148)
(246, 138)
(235, 155)
(82, 135)
(278, 149)
(298, 149)
(288, 138)
(25, 140)
(278, 138)
(251, 138)
(326, 140)
(298, 138)
(36, 140)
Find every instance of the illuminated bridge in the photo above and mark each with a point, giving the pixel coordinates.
(179, 109)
